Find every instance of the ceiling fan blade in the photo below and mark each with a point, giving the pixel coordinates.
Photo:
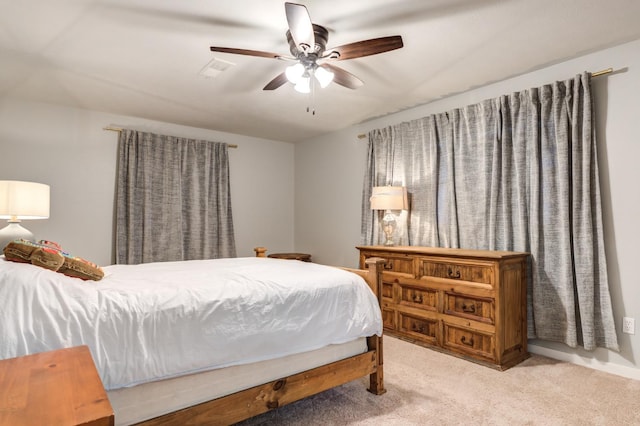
(343, 78)
(246, 52)
(300, 26)
(367, 47)
(276, 82)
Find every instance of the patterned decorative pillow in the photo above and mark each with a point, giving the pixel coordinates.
(50, 255)
(81, 268)
(27, 252)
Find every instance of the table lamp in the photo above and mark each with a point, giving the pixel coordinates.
(21, 201)
(389, 198)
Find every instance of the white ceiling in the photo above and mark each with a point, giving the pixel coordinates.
(143, 57)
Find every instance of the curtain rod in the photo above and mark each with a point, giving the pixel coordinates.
(117, 129)
(602, 72)
(593, 74)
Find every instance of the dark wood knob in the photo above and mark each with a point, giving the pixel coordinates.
(464, 341)
(452, 274)
(471, 309)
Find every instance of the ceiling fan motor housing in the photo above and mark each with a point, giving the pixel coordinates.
(321, 36)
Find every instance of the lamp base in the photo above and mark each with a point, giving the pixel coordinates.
(388, 227)
(14, 231)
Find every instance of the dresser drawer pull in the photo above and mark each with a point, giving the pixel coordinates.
(417, 298)
(470, 309)
(451, 274)
(464, 341)
(417, 328)
(388, 265)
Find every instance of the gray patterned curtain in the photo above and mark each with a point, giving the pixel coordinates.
(517, 173)
(172, 199)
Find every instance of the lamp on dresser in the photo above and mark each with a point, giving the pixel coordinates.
(19, 201)
(389, 199)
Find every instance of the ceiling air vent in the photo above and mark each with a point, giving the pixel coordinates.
(214, 68)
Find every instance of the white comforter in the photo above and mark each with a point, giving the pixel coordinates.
(158, 320)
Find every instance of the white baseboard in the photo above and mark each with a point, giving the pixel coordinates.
(607, 367)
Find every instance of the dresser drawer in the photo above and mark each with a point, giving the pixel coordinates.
(394, 263)
(425, 329)
(387, 290)
(457, 270)
(418, 297)
(475, 308)
(468, 341)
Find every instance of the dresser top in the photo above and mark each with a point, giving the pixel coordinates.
(441, 251)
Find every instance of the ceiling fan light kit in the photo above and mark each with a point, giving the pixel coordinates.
(307, 44)
(300, 76)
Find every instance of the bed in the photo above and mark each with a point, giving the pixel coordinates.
(175, 346)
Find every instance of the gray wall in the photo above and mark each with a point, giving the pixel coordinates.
(330, 171)
(68, 149)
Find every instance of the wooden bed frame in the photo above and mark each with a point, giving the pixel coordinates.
(268, 396)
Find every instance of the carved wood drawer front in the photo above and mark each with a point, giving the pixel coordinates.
(473, 272)
(478, 309)
(419, 297)
(400, 264)
(423, 328)
(387, 290)
(469, 341)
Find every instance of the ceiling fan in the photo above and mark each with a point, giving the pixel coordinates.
(307, 44)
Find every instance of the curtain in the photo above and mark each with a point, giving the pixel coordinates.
(516, 173)
(173, 200)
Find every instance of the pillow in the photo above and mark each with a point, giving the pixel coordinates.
(47, 258)
(49, 255)
(81, 268)
(27, 252)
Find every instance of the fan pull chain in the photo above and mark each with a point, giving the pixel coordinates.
(312, 96)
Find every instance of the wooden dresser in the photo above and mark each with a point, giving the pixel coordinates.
(469, 303)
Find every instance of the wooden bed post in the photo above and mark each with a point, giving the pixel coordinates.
(375, 265)
(260, 251)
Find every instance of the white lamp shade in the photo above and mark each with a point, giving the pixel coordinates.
(303, 85)
(23, 200)
(324, 76)
(389, 198)
(294, 72)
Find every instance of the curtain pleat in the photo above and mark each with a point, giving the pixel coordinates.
(173, 199)
(517, 173)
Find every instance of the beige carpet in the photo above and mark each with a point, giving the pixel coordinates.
(428, 387)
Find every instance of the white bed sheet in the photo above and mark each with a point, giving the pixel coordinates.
(159, 320)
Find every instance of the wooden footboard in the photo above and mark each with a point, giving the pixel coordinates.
(262, 398)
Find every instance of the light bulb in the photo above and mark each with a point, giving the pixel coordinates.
(294, 72)
(324, 76)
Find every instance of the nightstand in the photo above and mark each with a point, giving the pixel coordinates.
(292, 256)
(59, 387)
